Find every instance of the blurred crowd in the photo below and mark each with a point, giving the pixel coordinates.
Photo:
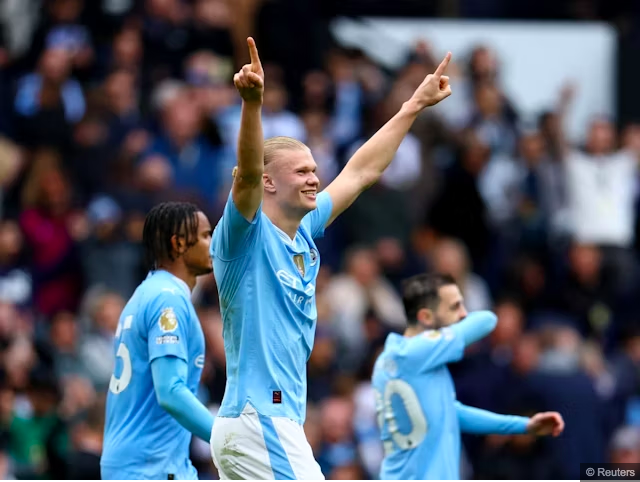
(110, 107)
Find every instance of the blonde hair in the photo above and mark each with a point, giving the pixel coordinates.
(275, 144)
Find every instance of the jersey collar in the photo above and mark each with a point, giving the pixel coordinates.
(184, 286)
(285, 236)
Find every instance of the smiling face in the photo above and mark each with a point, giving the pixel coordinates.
(290, 179)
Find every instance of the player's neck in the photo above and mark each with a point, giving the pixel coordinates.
(180, 271)
(287, 224)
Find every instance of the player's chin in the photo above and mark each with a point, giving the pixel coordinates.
(206, 269)
(308, 201)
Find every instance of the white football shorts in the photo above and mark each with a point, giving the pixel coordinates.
(256, 447)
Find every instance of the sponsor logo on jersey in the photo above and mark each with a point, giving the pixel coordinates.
(167, 340)
(168, 321)
(289, 280)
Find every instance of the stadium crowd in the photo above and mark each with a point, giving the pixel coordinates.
(115, 106)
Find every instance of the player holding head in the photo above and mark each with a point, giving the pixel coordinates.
(418, 414)
(152, 409)
(266, 263)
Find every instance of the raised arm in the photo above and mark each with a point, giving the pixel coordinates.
(369, 162)
(247, 184)
(446, 345)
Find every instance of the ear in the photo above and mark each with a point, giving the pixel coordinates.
(269, 185)
(426, 318)
(178, 244)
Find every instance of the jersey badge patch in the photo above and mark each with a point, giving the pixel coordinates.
(432, 334)
(298, 259)
(168, 321)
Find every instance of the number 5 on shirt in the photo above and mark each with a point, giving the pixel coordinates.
(119, 384)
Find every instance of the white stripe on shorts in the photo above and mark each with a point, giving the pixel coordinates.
(239, 448)
(294, 441)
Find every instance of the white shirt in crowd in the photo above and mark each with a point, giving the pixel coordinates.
(601, 196)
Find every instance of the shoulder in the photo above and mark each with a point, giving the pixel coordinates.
(30, 221)
(385, 361)
(167, 306)
(429, 338)
(163, 292)
(28, 215)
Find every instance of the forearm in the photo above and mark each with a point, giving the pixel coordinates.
(250, 144)
(173, 395)
(475, 420)
(475, 326)
(189, 412)
(370, 161)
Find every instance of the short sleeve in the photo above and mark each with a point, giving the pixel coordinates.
(316, 220)
(167, 320)
(434, 348)
(234, 236)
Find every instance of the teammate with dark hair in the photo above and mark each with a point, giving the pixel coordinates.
(152, 408)
(419, 417)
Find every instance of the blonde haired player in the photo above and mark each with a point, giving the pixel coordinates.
(266, 263)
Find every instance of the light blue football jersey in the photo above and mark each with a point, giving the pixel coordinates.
(416, 405)
(266, 284)
(141, 438)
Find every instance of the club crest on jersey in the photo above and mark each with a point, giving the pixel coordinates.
(314, 256)
(168, 320)
(298, 259)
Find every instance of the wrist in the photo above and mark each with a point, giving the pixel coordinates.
(528, 427)
(252, 104)
(412, 107)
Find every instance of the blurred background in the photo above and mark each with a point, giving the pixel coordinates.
(523, 185)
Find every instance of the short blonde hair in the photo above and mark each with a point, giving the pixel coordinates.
(275, 144)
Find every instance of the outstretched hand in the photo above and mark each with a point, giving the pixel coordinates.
(546, 423)
(250, 79)
(435, 87)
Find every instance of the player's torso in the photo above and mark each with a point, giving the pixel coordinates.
(268, 301)
(136, 426)
(292, 269)
(418, 420)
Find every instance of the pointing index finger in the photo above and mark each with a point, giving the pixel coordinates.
(253, 51)
(443, 65)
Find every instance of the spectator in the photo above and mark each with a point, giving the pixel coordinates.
(48, 227)
(48, 103)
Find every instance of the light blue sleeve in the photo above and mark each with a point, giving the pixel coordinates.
(167, 321)
(475, 420)
(476, 326)
(169, 380)
(316, 220)
(234, 236)
(434, 348)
